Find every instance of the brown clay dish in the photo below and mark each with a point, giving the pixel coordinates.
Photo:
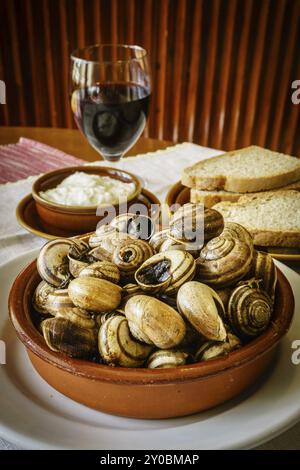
(59, 217)
(148, 393)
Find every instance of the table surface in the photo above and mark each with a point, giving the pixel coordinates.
(73, 142)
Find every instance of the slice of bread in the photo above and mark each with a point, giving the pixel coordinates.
(273, 218)
(247, 170)
(210, 198)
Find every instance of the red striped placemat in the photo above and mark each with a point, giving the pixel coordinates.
(28, 157)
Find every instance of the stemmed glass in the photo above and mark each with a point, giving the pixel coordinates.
(110, 96)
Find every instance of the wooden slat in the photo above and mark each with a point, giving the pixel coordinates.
(65, 53)
(97, 21)
(130, 23)
(239, 80)
(269, 76)
(49, 65)
(255, 73)
(161, 65)
(15, 46)
(147, 44)
(208, 85)
(284, 86)
(191, 98)
(178, 63)
(79, 8)
(220, 107)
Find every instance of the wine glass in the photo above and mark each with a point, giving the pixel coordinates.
(110, 96)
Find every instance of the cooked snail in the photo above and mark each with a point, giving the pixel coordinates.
(137, 225)
(40, 297)
(108, 240)
(249, 310)
(263, 268)
(235, 230)
(166, 272)
(64, 336)
(53, 263)
(158, 238)
(102, 270)
(171, 244)
(202, 307)
(224, 261)
(214, 349)
(165, 359)
(96, 295)
(130, 256)
(160, 323)
(116, 345)
(194, 223)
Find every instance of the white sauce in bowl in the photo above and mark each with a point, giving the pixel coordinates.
(85, 189)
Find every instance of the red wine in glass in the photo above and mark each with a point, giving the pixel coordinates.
(112, 116)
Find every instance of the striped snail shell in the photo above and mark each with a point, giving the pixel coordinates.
(171, 244)
(235, 230)
(194, 223)
(249, 310)
(158, 238)
(130, 256)
(62, 335)
(263, 268)
(166, 272)
(102, 270)
(214, 349)
(53, 263)
(164, 359)
(40, 297)
(109, 239)
(116, 345)
(224, 261)
(161, 324)
(138, 225)
(201, 306)
(78, 257)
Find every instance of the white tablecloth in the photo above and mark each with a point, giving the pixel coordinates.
(160, 170)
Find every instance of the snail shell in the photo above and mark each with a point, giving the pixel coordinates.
(165, 359)
(160, 323)
(263, 268)
(117, 347)
(76, 265)
(234, 230)
(79, 249)
(166, 272)
(194, 223)
(97, 295)
(201, 306)
(249, 310)
(102, 270)
(214, 349)
(137, 225)
(108, 240)
(53, 263)
(99, 254)
(78, 316)
(224, 261)
(40, 297)
(130, 256)
(171, 244)
(158, 238)
(96, 238)
(62, 335)
(224, 295)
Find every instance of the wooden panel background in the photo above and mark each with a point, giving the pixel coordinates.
(222, 69)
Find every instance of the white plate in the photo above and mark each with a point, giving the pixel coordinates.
(34, 415)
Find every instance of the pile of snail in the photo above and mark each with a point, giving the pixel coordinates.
(158, 302)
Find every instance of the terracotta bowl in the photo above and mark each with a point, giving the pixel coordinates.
(75, 218)
(146, 393)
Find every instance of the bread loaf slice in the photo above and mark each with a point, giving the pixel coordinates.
(273, 218)
(210, 198)
(247, 170)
